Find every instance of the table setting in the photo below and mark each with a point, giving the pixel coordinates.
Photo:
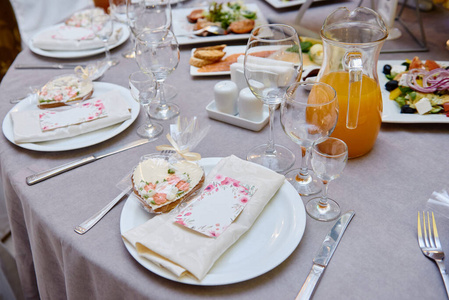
(167, 182)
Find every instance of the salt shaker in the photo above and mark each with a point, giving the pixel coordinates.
(226, 95)
(249, 106)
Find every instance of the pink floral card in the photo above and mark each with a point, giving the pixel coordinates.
(88, 111)
(219, 204)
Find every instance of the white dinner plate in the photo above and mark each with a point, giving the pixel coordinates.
(272, 238)
(286, 3)
(182, 27)
(392, 111)
(79, 141)
(80, 53)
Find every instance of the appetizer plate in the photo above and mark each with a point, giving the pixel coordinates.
(392, 111)
(80, 141)
(272, 238)
(80, 53)
(236, 120)
(286, 3)
(182, 28)
(241, 49)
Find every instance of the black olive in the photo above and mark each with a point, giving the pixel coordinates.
(391, 85)
(447, 68)
(406, 109)
(387, 70)
(406, 64)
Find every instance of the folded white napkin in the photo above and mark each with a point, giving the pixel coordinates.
(181, 250)
(70, 38)
(27, 127)
(281, 71)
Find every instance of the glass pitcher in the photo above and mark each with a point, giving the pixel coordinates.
(352, 41)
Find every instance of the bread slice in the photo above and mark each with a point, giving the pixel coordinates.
(198, 62)
(62, 90)
(160, 185)
(211, 55)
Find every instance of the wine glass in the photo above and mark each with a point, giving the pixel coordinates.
(329, 157)
(103, 26)
(272, 62)
(117, 9)
(144, 15)
(157, 52)
(143, 90)
(309, 112)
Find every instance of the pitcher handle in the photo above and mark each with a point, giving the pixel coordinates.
(353, 62)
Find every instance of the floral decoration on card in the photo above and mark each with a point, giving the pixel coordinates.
(88, 111)
(219, 204)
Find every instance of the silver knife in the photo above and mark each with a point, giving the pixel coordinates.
(41, 176)
(324, 255)
(41, 66)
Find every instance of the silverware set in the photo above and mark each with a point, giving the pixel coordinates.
(430, 244)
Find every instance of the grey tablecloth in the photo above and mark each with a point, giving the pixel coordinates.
(378, 258)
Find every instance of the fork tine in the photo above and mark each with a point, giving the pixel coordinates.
(431, 239)
(420, 239)
(435, 232)
(426, 239)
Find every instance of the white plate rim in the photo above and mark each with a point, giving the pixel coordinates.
(75, 142)
(391, 111)
(79, 53)
(180, 14)
(293, 237)
(284, 4)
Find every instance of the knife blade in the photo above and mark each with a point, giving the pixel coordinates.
(41, 176)
(324, 255)
(53, 66)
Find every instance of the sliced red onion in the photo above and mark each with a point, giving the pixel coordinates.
(432, 81)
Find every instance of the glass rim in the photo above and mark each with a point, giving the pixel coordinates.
(325, 138)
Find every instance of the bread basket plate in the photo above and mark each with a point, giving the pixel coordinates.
(80, 141)
(182, 28)
(272, 238)
(80, 53)
(391, 110)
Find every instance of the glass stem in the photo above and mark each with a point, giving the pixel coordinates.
(303, 175)
(146, 108)
(106, 51)
(162, 101)
(270, 145)
(323, 201)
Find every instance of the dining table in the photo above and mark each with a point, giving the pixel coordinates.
(377, 258)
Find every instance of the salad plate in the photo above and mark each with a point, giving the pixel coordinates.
(392, 111)
(183, 29)
(272, 238)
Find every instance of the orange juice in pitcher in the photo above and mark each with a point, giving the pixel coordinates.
(352, 41)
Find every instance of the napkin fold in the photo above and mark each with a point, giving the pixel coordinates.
(27, 127)
(71, 38)
(275, 70)
(181, 250)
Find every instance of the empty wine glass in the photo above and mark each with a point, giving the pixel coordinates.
(143, 90)
(117, 9)
(103, 26)
(309, 112)
(144, 15)
(329, 157)
(157, 52)
(273, 61)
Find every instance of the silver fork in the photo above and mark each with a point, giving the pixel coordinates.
(89, 223)
(431, 246)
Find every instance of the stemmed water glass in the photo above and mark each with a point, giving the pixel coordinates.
(157, 52)
(103, 26)
(143, 90)
(144, 15)
(329, 157)
(117, 9)
(309, 112)
(273, 61)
